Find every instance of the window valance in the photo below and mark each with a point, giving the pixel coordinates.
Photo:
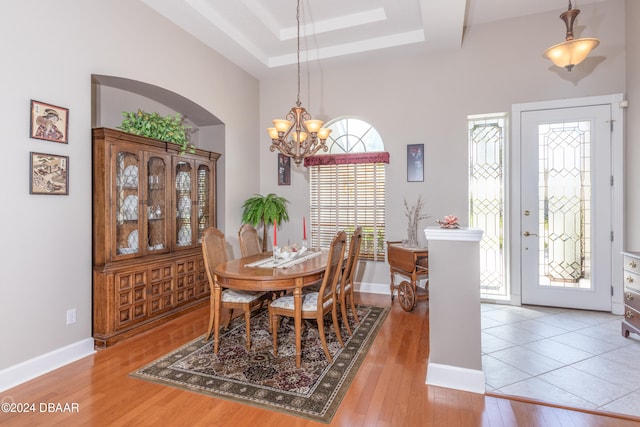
(347, 159)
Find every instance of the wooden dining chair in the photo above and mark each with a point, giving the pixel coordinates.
(315, 305)
(214, 249)
(249, 241)
(344, 289)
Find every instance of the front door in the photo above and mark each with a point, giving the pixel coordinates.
(566, 193)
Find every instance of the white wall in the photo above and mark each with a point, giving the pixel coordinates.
(45, 267)
(418, 97)
(632, 137)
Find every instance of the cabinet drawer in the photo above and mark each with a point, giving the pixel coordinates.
(631, 264)
(632, 316)
(632, 280)
(632, 298)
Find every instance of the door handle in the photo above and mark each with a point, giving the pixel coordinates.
(527, 234)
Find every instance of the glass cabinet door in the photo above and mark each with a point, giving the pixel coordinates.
(204, 202)
(184, 224)
(157, 171)
(127, 203)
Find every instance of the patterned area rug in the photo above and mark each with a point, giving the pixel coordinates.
(257, 378)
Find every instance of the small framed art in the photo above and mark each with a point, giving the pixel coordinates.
(415, 162)
(49, 122)
(49, 174)
(284, 169)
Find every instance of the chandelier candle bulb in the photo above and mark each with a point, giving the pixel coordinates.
(323, 134)
(282, 125)
(313, 126)
(301, 138)
(273, 133)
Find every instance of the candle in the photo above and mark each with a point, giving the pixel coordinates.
(304, 228)
(275, 232)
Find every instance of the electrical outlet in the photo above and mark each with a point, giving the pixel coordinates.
(71, 316)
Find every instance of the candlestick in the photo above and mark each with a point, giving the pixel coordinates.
(275, 232)
(304, 228)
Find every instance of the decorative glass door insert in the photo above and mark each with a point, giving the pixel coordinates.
(486, 199)
(564, 217)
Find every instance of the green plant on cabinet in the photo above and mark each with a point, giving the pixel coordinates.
(170, 128)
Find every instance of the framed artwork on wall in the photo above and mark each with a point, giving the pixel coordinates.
(284, 169)
(49, 122)
(49, 174)
(415, 162)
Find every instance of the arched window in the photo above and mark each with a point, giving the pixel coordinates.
(347, 187)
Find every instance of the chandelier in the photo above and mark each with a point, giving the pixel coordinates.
(298, 136)
(571, 52)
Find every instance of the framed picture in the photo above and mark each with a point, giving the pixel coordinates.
(49, 122)
(415, 162)
(284, 169)
(49, 174)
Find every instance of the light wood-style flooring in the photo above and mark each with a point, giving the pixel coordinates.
(388, 390)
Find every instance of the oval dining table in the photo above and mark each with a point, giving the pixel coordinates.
(237, 274)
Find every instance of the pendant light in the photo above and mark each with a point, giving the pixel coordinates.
(573, 51)
(298, 136)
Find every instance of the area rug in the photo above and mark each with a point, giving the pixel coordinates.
(257, 378)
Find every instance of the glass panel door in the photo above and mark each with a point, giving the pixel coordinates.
(204, 199)
(184, 228)
(127, 203)
(156, 214)
(566, 191)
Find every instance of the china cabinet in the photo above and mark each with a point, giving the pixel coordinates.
(631, 271)
(151, 206)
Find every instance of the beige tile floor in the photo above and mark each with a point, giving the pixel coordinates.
(573, 358)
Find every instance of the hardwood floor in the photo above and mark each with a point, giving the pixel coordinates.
(389, 389)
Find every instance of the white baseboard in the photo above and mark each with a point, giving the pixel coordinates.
(39, 365)
(455, 377)
(372, 288)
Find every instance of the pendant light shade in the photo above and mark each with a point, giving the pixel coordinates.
(573, 51)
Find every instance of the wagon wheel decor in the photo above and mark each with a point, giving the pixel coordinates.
(406, 296)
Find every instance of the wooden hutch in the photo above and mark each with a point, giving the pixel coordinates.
(151, 205)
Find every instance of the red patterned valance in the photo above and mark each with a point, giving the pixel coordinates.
(347, 159)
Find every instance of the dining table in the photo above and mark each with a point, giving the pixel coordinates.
(263, 273)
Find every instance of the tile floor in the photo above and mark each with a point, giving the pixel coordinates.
(573, 358)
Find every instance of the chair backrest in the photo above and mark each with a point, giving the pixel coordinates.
(214, 250)
(335, 262)
(352, 258)
(249, 242)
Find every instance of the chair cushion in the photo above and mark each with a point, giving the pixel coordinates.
(309, 302)
(231, 295)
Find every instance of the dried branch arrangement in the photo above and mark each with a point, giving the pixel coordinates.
(414, 214)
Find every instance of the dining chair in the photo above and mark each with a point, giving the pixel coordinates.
(249, 242)
(214, 249)
(315, 305)
(344, 290)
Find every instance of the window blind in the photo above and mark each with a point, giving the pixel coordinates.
(343, 196)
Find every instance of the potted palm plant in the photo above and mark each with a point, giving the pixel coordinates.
(263, 210)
